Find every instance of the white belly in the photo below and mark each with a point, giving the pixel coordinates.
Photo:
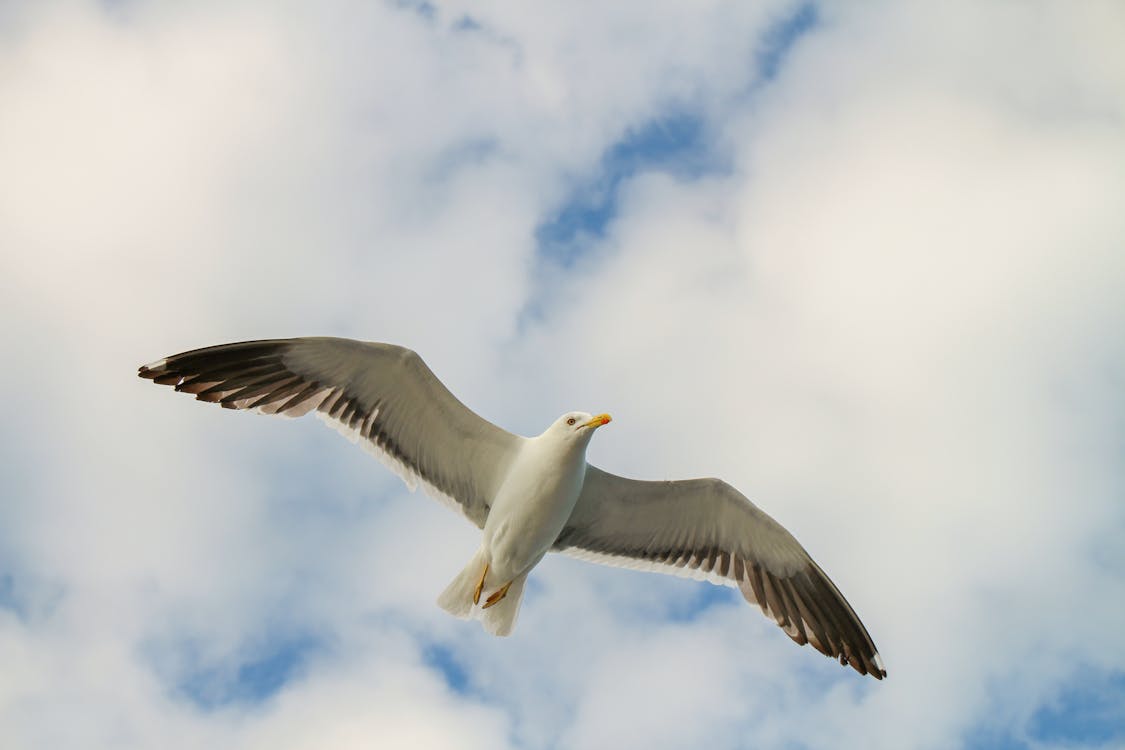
(531, 509)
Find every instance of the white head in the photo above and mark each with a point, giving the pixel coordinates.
(576, 426)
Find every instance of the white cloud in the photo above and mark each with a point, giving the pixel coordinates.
(893, 323)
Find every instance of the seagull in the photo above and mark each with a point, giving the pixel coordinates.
(528, 495)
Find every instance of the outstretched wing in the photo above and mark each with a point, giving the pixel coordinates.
(382, 395)
(704, 528)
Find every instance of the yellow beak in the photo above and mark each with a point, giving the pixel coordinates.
(599, 420)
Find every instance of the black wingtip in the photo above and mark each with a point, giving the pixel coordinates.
(153, 370)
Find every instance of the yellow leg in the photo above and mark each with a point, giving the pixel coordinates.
(480, 585)
(497, 595)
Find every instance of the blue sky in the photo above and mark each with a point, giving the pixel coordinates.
(679, 141)
(860, 260)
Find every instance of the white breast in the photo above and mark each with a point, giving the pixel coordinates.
(533, 504)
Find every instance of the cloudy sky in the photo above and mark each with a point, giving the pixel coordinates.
(864, 260)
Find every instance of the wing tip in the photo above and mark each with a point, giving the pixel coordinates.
(880, 671)
(153, 369)
(872, 665)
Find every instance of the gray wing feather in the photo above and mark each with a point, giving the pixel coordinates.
(379, 394)
(704, 528)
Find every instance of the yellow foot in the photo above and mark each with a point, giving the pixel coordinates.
(480, 585)
(497, 595)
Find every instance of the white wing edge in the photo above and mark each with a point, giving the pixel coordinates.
(792, 628)
(647, 566)
(409, 477)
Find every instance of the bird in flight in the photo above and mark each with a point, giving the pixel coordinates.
(529, 496)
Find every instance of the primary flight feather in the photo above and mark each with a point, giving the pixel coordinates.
(528, 495)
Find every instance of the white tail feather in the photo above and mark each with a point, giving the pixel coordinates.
(457, 599)
(500, 618)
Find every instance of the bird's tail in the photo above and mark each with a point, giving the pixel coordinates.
(500, 618)
(457, 599)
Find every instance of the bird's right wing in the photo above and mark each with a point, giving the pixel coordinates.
(704, 528)
(382, 395)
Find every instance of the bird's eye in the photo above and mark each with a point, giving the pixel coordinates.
(572, 420)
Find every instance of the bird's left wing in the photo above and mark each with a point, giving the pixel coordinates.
(704, 528)
(380, 394)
